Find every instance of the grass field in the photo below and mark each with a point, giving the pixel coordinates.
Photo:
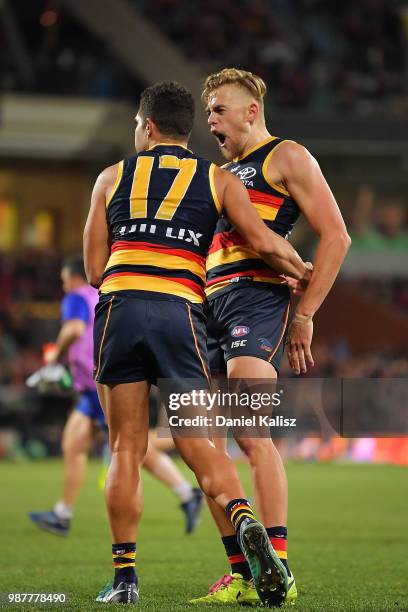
(348, 541)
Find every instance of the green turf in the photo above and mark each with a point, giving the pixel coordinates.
(348, 541)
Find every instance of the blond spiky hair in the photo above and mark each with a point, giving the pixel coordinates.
(253, 83)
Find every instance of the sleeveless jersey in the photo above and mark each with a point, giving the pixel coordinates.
(162, 215)
(230, 263)
(80, 353)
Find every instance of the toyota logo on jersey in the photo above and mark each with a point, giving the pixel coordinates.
(246, 173)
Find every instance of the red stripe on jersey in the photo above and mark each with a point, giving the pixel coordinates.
(223, 240)
(264, 198)
(157, 248)
(263, 272)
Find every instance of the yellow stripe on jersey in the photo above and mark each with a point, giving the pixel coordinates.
(149, 283)
(280, 280)
(267, 213)
(276, 186)
(213, 190)
(148, 258)
(230, 255)
(116, 185)
(140, 187)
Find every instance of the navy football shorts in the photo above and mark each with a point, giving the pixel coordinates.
(250, 322)
(148, 339)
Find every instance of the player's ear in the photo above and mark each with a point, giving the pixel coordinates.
(149, 127)
(253, 112)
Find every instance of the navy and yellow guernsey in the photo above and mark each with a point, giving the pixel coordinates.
(161, 213)
(230, 262)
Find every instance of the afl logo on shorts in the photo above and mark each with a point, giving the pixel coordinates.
(246, 173)
(240, 330)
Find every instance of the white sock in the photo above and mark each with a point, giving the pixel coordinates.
(184, 491)
(63, 511)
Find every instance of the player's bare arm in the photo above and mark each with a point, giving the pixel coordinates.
(275, 250)
(294, 167)
(70, 331)
(96, 232)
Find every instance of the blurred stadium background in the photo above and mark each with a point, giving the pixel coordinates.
(71, 72)
(70, 77)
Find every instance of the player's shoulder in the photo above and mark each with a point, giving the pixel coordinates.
(291, 151)
(108, 181)
(288, 147)
(110, 172)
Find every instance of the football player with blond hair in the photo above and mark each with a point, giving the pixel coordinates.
(249, 301)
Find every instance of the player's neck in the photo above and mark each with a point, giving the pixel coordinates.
(165, 140)
(257, 135)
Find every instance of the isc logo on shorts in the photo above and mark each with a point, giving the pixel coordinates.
(238, 343)
(240, 330)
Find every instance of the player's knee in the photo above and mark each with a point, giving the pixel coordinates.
(120, 502)
(124, 442)
(212, 482)
(74, 442)
(151, 457)
(258, 450)
(211, 485)
(67, 446)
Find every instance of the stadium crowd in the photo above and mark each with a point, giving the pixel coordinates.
(345, 57)
(380, 228)
(348, 56)
(64, 57)
(29, 283)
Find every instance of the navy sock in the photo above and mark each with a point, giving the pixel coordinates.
(124, 556)
(239, 565)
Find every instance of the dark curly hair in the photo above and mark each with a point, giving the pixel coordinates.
(170, 106)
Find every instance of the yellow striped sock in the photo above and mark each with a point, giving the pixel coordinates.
(124, 559)
(238, 510)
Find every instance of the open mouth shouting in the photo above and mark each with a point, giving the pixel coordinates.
(221, 138)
